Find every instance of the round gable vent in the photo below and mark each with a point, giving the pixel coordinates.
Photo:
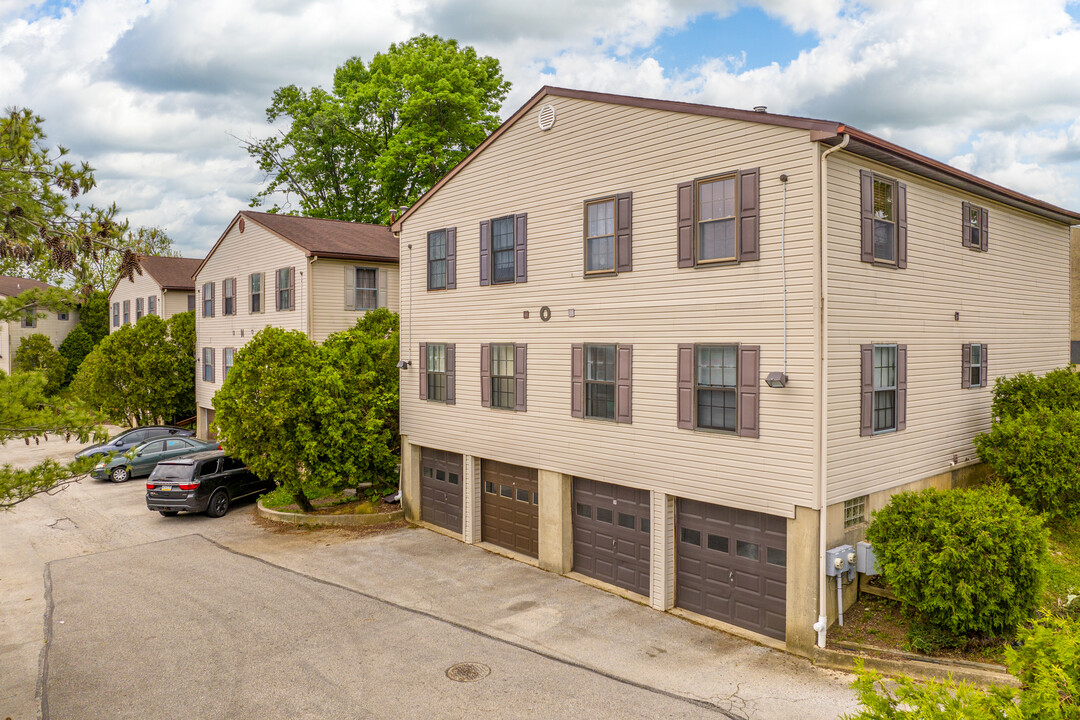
(547, 117)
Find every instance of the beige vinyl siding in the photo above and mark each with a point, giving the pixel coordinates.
(141, 286)
(328, 294)
(1074, 265)
(237, 256)
(594, 150)
(5, 346)
(1015, 298)
(175, 301)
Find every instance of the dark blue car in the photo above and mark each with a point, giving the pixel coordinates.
(130, 438)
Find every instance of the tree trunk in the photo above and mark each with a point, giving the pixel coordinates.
(302, 501)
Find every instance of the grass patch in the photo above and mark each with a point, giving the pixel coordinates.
(1063, 568)
(282, 497)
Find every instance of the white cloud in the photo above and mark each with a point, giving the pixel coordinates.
(153, 92)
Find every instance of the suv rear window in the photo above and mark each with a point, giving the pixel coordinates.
(233, 464)
(208, 468)
(165, 471)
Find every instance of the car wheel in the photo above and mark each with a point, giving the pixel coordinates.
(169, 513)
(120, 474)
(219, 503)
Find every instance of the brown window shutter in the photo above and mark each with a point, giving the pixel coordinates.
(749, 389)
(350, 287)
(451, 258)
(520, 368)
(624, 367)
(901, 225)
(866, 422)
(965, 365)
(686, 224)
(577, 380)
(235, 297)
(866, 193)
(624, 221)
(213, 299)
(485, 375)
(747, 215)
(901, 387)
(985, 367)
(292, 288)
(521, 232)
(685, 384)
(423, 371)
(984, 229)
(277, 295)
(213, 363)
(451, 394)
(382, 296)
(965, 214)
(485, 252)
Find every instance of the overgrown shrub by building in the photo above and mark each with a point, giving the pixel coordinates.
(36, 352)
(76, 346)
(1046, 661)
(969, 562)
(1057, 390)
(1037, 454)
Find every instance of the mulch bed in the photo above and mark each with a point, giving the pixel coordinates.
(339, 505)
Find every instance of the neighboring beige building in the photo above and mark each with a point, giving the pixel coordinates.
(308, 274)
(602, 294)
(55, 325)
(1074, 260)
(164, 288)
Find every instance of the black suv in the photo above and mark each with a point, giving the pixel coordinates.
(207, 482)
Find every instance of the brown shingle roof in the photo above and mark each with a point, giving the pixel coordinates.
(332, 238)
(12, 286)
(171, 273)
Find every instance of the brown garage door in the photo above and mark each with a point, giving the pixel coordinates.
(508, 510)
(440, 488)
(611, 534)
(732, 565)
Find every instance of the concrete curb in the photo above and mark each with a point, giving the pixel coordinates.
(348, 521)
(922, 669)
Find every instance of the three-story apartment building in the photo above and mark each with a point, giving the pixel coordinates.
(55, 326)
(308, 274)
(681, 350)
(165, 287)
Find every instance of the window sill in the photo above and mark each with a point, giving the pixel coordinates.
(589, 274)
(887, 431)
(600, 419)
(716, 431)
(714, 263)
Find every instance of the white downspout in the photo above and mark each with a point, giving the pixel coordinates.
(822, 623)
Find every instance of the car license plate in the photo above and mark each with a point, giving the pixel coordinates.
(164, 488)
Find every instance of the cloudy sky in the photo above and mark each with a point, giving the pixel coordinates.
(155, 93)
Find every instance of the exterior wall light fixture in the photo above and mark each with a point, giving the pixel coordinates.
(776, 380)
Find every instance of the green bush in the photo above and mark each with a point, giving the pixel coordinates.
(968, 562)
(1037, 454)
(908, 699)
(36, 352)
(1047, 662)
(1057, 390)
(94, 316)
(76, 346)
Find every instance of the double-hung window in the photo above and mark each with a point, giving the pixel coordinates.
(502, 250)
(255, 281)
(116, 314)
(226, 362)
(61, 316)
(208, 299)
(151, 305)
(715, 221)
(600, 381)
(284, 289)
(717, 387)
(191, 301)
(138, 309)
(367, 288)
(884, 220)
(436, 260)
(973, 365)
(228, 296)
(29, 318)
(976, 225)
(436, 372)
(600, 236)
(976, 365)
(502, 376)
(127, 312)
(884, 388)
(208, 364)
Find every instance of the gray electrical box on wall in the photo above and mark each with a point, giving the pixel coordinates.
(838, 561)
(865, 559)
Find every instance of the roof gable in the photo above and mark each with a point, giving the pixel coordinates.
(12, 286)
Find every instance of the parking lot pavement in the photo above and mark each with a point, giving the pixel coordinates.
(184, 629)
(144, 606)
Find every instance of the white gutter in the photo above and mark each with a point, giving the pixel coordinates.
(822, 623)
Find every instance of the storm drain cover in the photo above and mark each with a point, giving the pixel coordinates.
(468, 672)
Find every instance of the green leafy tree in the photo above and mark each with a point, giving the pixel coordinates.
(36, 301)
(36, 352)
(28, 413)
(1037, 455)
(385, 133)
(966, 562)
(94, 315)
(138, 374)
(265, 412)
(76, 346)
(181, 328)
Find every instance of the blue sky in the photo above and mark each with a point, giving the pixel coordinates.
(155, 93)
